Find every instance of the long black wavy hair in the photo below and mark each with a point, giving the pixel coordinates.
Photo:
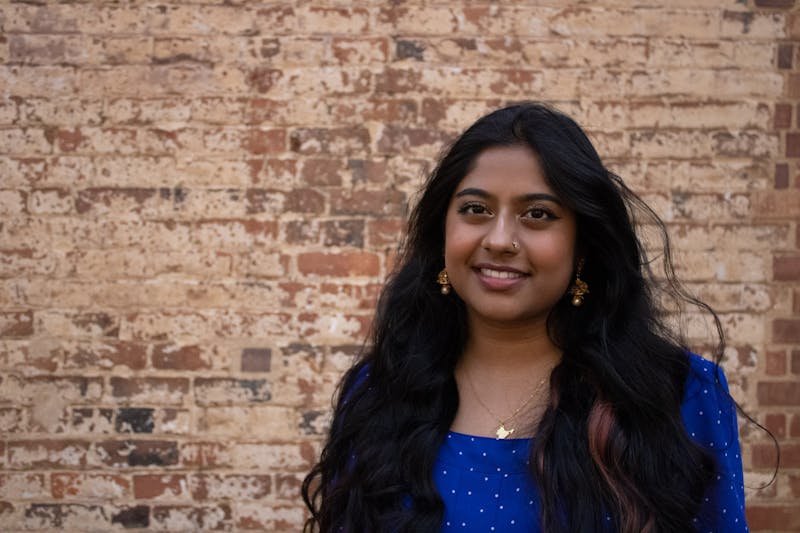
(612, 440)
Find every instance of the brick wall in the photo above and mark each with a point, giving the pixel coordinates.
(198, 202)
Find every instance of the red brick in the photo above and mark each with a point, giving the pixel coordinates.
(16, 324)
(109, 353)
(795, 361)
(369, 172)
(174, 357)
(781, 176)
(793, 145)
(256, 360)
(303, 200)
(783, 116)
(779, 393)
(765, 455)
(794, 86)
(160, 486)
(260, 142)
(403, 139)
(385, 231)
(776, 424)
(342, 264)
(786, 331)
(287, 486)
(775, 363)
(786, 268)
(263, 79)
(376, 203)
(794, 426)
(323, 171)
(794, 485)
(761, 517)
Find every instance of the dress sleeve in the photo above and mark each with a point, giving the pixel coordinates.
(709, 415)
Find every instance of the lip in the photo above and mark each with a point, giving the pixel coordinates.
(499, 277)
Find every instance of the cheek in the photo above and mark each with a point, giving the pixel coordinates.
(556, 251)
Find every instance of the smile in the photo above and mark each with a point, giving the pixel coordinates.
(500, 274)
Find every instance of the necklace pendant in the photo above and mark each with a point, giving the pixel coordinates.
(502, 432)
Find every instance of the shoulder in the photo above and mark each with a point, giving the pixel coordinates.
(709, 412)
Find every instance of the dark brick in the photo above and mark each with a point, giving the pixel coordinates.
(135, 420)
(256, 359)
(132, 517)
(785, 53)
(781, 176)
(783, 116)
(405, 49)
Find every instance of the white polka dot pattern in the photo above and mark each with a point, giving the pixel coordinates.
(486, 487)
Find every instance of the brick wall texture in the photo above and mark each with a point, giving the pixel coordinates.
(199, 200)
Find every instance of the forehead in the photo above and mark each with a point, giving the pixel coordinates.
(506, 168)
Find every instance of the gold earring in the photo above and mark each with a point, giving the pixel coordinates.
(444, 281)
(579, 287)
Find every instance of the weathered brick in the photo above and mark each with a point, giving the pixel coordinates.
(197, 215)
(51, 516)
(236, 487)
(172, 357)
(20, 486)
(135, 453)
(159, 390)
(51, 390)
(200, 454)
(16, 324)
(172, 487)
(47, 454)
(184, 517)
(341, 264)
(223, 391)
(270, 517)
(91, 486)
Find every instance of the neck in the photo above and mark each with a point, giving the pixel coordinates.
(509, 350)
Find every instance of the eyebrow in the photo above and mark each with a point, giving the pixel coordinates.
(480, 193)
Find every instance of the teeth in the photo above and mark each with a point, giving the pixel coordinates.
(502, 274)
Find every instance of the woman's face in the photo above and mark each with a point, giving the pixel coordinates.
(505, 200)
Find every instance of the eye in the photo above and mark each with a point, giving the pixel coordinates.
(538, 213)
(473, 208)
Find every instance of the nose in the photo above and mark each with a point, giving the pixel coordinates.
(499, 236)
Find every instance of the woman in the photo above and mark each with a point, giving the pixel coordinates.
(520, 375)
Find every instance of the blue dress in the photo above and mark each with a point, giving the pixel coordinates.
(486, 486)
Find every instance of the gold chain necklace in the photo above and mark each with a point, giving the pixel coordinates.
(501, 431)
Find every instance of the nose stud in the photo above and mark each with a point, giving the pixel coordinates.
(515, 245)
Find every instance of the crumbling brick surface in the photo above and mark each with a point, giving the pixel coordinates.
(199, 200)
